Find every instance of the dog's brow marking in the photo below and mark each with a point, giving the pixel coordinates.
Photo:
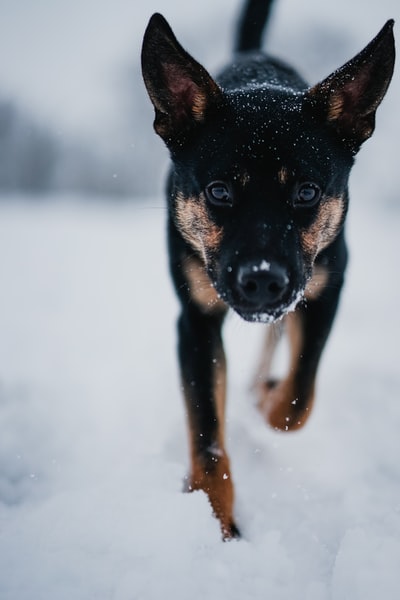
(325, 227)
(283, 175)
(201, 288)
(196, 226)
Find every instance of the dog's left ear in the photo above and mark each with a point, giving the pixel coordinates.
(180, 89)
(348, 98)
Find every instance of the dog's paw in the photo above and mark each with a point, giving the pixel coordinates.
(281, 406)
(218, 487)
(230, 532)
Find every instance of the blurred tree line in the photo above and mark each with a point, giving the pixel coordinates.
(126, 162)
(27, 153)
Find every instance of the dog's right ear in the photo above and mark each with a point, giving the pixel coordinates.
(180, 89)
(348, 98)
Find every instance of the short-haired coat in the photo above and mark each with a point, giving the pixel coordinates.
(257, 199)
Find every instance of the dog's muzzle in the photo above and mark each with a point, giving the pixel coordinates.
(263, 291)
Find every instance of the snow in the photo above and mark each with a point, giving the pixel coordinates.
(92, 434)
(93, 448)
(263, 266)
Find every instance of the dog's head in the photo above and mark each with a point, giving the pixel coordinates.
(259, 181)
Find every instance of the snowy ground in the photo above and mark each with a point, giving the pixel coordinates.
(92, 435)
(92, 439)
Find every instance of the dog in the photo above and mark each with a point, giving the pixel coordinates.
(257, 198)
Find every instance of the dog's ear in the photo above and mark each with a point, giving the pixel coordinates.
(180, 89)
(348, 98)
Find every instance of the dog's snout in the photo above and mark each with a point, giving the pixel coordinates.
(262, 285)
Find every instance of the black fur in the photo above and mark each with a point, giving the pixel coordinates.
(255, 16)
(257, 198)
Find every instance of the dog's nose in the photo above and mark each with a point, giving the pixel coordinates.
(263, 284)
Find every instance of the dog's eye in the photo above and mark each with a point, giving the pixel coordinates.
(307, 195)
(218, 193)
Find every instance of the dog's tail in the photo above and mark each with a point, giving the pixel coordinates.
(252, 23)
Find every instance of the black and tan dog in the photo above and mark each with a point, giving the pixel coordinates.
(257, 198)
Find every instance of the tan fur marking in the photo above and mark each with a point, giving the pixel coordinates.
(202, 99)
(212, 474)
(295, 332)
(195, 225)
(271, 340)
(325, 228)
(201, 288)
(199, 106)
(335, 107)
(219, 375)
(278, 403)
(217, 484)
(283, 175)
(180, 86)
(334, 99)
(317, 283)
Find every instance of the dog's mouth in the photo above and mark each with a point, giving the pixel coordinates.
(269, 315)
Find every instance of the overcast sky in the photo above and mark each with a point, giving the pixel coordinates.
(61, 58)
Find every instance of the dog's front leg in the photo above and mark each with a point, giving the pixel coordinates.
(202, 363)
(287, 404)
